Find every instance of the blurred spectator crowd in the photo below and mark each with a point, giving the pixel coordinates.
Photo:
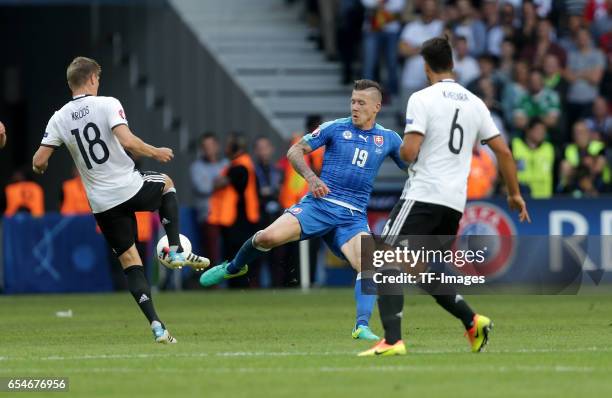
(543, 67)
(240, 191)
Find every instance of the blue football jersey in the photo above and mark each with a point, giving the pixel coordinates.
(352, 158)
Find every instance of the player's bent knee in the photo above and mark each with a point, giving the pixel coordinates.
(265, 240)
(169, 183)
(130, 257)
(258, 246)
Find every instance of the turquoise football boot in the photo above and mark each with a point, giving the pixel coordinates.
(219, 273)
(364, 332)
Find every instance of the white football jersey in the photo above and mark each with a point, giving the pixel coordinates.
(451, 119)
(85, 126)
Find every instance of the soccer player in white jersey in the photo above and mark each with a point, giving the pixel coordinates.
(95, 131)
(443, 123)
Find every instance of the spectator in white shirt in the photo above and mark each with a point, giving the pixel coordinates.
(427, 26)
(466, 67)
(470, 27)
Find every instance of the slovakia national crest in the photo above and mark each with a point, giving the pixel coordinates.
(379, 140)
(486, 227)
(295, 210)
(347, 135)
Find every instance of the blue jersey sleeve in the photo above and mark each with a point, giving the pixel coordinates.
(321, 136)
(395, 147)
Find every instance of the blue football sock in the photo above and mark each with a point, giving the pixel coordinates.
(365, 302)
(245, 255)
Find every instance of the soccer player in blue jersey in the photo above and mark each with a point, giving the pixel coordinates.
(335, 207)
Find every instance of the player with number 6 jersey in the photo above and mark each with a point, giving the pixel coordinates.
(95, 131)
(443, 123)
(451, 120)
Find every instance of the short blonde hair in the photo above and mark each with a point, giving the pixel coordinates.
(79, 70)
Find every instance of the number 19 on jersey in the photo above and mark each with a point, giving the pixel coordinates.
(360, 157)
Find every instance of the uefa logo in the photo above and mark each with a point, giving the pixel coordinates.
(486, 227)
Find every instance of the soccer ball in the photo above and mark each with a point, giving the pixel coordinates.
(162, 249)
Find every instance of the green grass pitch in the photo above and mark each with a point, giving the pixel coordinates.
(285, 343)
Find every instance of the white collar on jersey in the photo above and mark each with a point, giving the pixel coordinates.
(81, 96)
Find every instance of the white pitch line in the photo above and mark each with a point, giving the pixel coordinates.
(182, 355)
(119, 356)
(273, 354)
(552, 350)
(297, 353)
(335, 369)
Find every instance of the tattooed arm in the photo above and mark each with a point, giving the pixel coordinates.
(296, 157)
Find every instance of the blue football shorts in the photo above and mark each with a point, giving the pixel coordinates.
(336, 224)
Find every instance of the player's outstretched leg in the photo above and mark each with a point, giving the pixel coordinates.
(141, 291)
(169, 214)
(365, 290)
(285, 229)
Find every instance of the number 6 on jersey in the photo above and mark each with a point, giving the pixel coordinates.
(451, 141)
